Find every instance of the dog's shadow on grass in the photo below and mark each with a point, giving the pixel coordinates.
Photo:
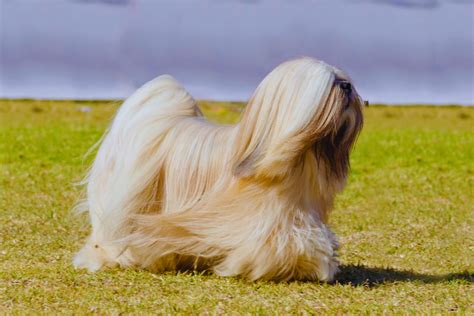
(359, 275)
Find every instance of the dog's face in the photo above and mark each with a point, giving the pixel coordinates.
(335, 146)
(303, 105)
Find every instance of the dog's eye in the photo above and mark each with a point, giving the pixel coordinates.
(346, 86)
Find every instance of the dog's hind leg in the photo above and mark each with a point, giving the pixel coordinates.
(122, 178)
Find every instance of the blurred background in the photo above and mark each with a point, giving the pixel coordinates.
(396, 51)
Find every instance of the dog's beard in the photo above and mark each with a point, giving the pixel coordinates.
(333, 149)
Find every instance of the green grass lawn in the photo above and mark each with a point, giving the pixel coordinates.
(405, 221)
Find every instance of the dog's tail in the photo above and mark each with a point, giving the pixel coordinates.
(127, 163)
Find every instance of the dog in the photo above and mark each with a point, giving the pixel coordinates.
(169, 190)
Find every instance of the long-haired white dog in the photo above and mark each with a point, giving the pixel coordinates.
(170, 190)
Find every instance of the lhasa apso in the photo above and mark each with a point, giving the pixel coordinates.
(170, 190)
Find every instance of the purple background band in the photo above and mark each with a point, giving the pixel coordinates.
(403, 51)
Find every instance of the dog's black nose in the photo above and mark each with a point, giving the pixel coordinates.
(346, 86)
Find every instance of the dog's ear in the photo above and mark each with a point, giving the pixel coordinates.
(248, 146)
(286, 115)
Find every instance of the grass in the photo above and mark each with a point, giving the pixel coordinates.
(406, 222)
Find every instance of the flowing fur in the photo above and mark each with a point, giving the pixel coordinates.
(170, 190)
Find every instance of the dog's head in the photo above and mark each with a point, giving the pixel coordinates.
(302, 105)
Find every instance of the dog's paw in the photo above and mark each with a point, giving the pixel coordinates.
(329, 267)
(89, 258)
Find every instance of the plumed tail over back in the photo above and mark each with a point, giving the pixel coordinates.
(120, 172)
